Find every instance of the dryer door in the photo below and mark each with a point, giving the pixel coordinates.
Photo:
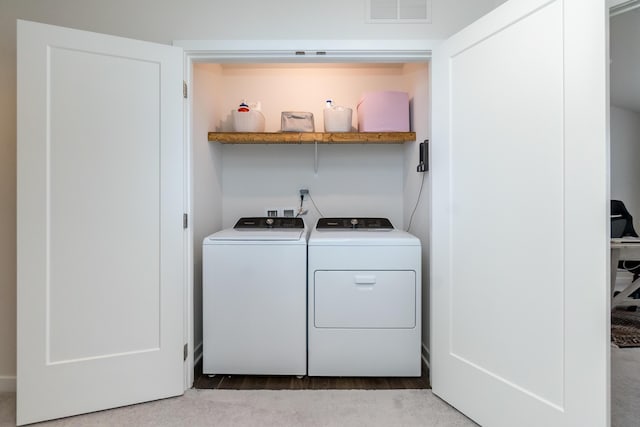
(365, 299)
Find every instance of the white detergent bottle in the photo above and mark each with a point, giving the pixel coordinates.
(336, 118)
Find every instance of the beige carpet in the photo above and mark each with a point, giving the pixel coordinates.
(304, 408)
(625, 387)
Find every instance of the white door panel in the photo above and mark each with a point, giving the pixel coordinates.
(514, 172)
(489, 210)
(93, 208)
(100, 239)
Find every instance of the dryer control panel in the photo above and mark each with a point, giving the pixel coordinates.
(354, 223)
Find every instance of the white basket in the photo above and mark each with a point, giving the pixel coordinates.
(248, 121)
(337, 119)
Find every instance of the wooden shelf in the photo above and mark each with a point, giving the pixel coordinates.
(312, 137)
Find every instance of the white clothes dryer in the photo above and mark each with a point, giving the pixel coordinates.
(364, 299)
(254, 298)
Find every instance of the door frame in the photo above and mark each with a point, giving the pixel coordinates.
(264, 52)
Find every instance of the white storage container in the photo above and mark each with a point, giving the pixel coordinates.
(337, 119)
(297, 121)
(248, 121)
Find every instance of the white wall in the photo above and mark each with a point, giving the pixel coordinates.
(352, 180)
(164, 21)
(625, 158)
(416, 202)
(206, 167)
(625, 60)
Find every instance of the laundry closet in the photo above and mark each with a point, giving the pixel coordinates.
(520, 131)
(358, 178)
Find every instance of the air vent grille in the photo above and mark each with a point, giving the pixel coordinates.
(398, 11)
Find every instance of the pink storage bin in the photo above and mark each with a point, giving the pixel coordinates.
(385, 111)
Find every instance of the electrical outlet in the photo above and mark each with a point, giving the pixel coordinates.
(281, 212)
(304, 191)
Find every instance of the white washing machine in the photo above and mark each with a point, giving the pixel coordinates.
(364, 299)
(254, 298)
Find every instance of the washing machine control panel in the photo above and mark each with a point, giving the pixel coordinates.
(269, 222)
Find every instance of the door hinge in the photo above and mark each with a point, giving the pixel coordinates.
(185, 90)
(185, 220)
(185, 352)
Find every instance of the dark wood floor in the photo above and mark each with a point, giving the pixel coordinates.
(285, 382)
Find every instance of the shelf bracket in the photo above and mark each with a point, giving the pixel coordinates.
(315, 162)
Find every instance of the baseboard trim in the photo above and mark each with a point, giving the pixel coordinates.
(426, 356)
(7, 384)
(197, 354)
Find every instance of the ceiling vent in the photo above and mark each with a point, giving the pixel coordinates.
(398, 11)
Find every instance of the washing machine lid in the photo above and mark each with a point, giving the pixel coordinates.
(253, 235)
(263, 229)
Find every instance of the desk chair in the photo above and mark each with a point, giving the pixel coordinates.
(621, 220)
(622, 226)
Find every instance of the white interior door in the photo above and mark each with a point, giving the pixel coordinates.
(101, 269)
(520, 329)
